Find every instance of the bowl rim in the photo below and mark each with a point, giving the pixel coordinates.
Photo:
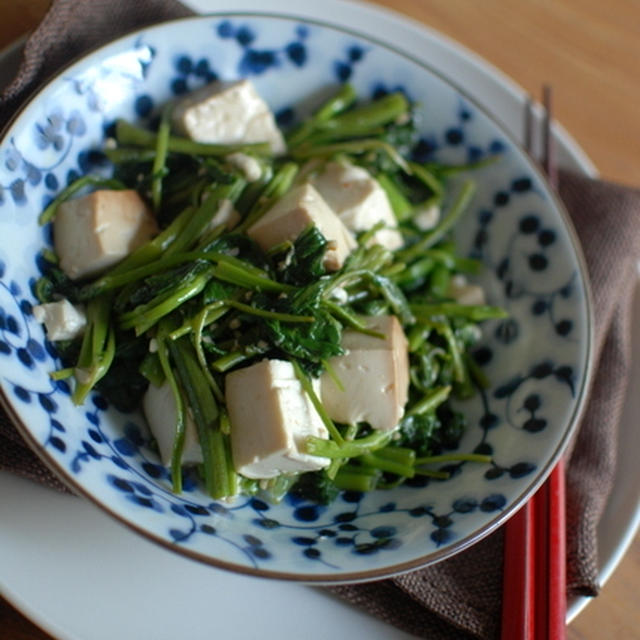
(365, 575)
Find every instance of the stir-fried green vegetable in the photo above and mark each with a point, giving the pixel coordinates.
(200, 300)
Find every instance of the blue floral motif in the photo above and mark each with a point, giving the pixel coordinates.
(191, 74)
(58, 133)
(256, 61)
(344, 67)
(524, 263)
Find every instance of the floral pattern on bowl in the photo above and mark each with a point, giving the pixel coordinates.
(537, 359)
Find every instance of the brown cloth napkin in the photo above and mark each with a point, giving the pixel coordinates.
(461, 597)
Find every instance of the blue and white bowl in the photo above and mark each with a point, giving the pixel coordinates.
(538, 360)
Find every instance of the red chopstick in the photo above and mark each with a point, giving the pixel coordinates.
(534, 601)
(557, 559)
(552, 494)
(518, 582)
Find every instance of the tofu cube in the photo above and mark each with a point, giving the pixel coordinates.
(227, 113)
(463, 292)
(291, 215)
(427, 217)
(61, 319)
(270, 416)
(159, 408)
(359, 201)
(374, 373)
(96, 231)
(250, 167)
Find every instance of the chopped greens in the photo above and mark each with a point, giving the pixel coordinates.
(202, 298)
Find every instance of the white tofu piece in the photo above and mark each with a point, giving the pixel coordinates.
(249, 166)
(359, 201)
(464, 292)
(427, 218)
(374, 373)
(227, 113)
(293, 213)
(159, 408)
(62, 320)
(98, 230)
(270, 416)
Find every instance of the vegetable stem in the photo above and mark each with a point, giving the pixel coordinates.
(476, 313)
(144, 316)
(422, 173)
(203, 214)
(273, 191)
(343, 99)
(355, 478)
(346, 449)
(97, 351)
(128, 134)
(229, 360)
(356, 147)
(179, 432)
(456, 210)
(373, 114)
(386, 464)
(431, 401)
(401, 206)
(206, 416)
(158, 170)
(272, 315)
(198, 325)
(337, 439)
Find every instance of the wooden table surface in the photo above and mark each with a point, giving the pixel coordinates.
(589, 51)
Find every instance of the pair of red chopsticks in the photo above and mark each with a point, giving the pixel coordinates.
(534, 601)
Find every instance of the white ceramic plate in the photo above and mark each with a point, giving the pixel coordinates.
(35, 541)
